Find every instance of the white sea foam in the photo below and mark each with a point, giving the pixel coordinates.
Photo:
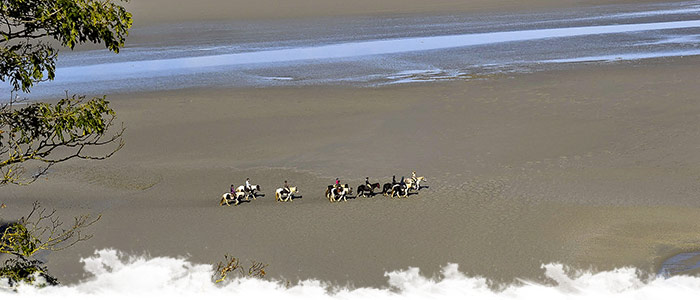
(626, 56)
(114, 275)
(688, 39)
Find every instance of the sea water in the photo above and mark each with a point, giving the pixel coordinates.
(375, 51)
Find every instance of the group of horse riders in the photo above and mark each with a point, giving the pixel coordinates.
(334, 192)
(339, 191)
(237, 194)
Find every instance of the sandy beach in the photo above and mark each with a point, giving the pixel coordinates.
(595, 166)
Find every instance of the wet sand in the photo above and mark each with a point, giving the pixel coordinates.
(147, 12)
(595, 167)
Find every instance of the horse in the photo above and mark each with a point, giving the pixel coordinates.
(330, 188)
(227, 197)
(362, 189)
(254, 188)
(334, 193)
(415, 184)
(399, 189)
(341, 193)
(387, 188)
(328, 191)
(280, 191)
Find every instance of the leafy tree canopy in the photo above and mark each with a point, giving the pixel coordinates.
(49, 134)
(25, 58)
(46, 133)
(52, 133)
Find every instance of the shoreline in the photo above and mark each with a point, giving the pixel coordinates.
(399, 49)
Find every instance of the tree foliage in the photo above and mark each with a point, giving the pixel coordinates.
(232, 264)
(31, 32)
(37, 131)
(53, 133)
(39, 230)
(26, 58)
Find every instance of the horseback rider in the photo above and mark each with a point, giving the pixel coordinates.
(369, 186)
(285, 189)
(233, 190)
(402, 181)
(337, 182)
(247, 185)
(413, 177)
(393, 180)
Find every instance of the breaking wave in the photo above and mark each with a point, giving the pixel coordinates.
(115, 275)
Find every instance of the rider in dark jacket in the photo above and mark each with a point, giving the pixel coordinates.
(286, 187)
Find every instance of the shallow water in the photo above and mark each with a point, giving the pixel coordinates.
(680, 263)
(377, 50)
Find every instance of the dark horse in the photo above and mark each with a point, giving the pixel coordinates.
(390, 189)
(399, 190)
(361, 190)
(387, 188)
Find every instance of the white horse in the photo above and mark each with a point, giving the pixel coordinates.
(339, 193)
(280, 191)
(414, 184)
(254, 188)
(328, 191)
(228, 197)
